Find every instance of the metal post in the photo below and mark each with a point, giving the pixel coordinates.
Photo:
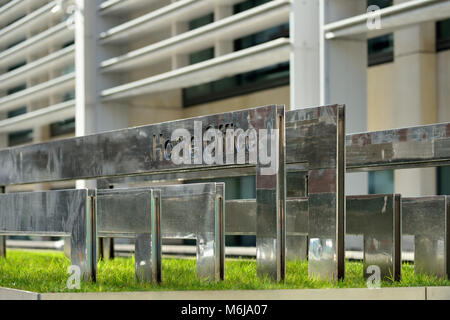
(271, 203)
(426, 218)
(378, 219)
(83, 240)
(2, 238)
(148, 245)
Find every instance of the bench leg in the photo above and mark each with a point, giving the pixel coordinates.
(107, 248)
(83, 241)
(147, 266)
(2, 238)
(147, 251)
(271, 203)
(207, 260)
(3, 246)
(211, 242)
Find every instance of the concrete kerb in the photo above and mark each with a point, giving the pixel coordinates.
(406, 293)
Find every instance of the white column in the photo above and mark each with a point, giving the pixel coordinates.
(222, 47)
(179, 60)
(343, 78)
(415, 97)
(305, 54)
(91, 114)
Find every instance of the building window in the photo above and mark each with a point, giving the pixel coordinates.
(68, 44)
(67, 126)
(380, 49)
(443, 35)
(15, 43)
(62, 127)
(68, 96)
(381, 182)
(244, 83)
(19, 137)
(16, 66)
(443, 180)
(68, 69)
(380, 3)
(201, 21)
(242, 6)
(16, 89)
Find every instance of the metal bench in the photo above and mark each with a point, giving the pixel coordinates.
(151, 149)
(55, 213)
(315, 150)
(134, 213)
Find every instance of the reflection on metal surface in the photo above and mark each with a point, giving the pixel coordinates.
(426, 218)
(105, 248)
(134, 151)
(271, 201)
(316, 138)
(148, 150)
(315, 145)
(197, 211)
(134, 213)
(55, 213)
(378, 219)
(414, 147)
(241, 220)
(188, 211)
(305, 158)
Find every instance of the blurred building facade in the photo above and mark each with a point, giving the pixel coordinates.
(84, 66)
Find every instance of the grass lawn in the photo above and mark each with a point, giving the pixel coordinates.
(47, 272)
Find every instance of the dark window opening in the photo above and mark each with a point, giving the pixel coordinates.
(16, 89)
(14, 20)
(15, 43)
(16, 66)
(19, 137)
(380, 50)
(242, 6)
(443, 180)
(62, 127)
(244, 83)
(17, 112)
(201, 21)
(68, 44)
(67, 126)
(443, 35)
(380, 3)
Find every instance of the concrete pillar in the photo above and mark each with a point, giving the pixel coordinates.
(92, 115)
(305, 54)
(179, 60)
(343, 76)
(443, 76)
(415, 97)
(223, 47)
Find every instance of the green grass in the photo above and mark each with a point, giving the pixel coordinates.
(47, 272)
